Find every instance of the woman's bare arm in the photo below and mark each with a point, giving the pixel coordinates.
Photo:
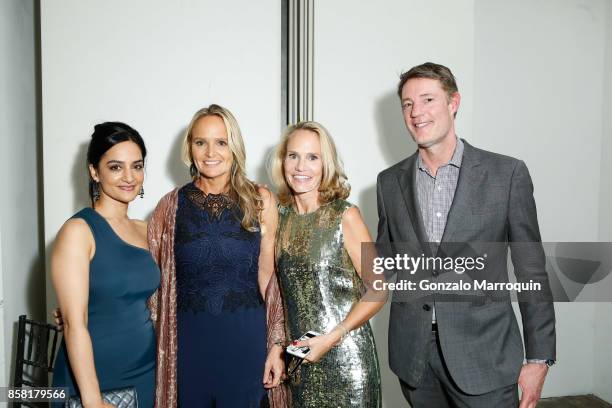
(73, 250)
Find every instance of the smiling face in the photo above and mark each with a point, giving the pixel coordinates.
(303, 165)
(429, 111)
(120, 172)
(210, 150)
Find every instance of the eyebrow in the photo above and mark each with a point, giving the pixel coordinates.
(421, 96)
(204, 139)
(120, 162)
(293, 151)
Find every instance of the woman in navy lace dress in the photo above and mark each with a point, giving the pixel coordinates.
(220, 314)
(221, 260)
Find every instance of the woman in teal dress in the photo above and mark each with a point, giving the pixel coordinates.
(103, 274)
(318, 259)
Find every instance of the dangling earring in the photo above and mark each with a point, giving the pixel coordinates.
(193, 171)
(141, 194)
(95, 191)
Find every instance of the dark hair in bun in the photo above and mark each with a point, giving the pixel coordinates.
(105, 136)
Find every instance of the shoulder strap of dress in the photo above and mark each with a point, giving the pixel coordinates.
(343, 205)
(340, 206)
(281, 209)
(96, 223)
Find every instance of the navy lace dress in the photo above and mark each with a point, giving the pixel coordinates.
(220, 312)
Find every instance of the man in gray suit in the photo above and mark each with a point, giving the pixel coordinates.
(466, 353)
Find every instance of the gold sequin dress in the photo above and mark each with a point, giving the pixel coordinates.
(319, 285)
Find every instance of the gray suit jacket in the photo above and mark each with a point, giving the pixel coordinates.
(480, 342)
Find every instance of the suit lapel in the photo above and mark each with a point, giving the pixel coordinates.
(407, 182)
(470, 176)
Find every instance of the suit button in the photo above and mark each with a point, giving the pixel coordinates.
(426, 307)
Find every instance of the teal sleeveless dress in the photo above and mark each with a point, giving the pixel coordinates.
(121, 279)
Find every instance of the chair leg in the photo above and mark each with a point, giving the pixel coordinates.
(18, 379)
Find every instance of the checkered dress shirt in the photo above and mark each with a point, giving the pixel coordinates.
(435, 196)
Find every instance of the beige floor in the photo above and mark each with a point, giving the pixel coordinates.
(579, 401)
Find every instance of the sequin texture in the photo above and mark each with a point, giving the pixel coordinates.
(319, 286)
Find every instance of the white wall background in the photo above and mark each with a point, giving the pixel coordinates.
(3, 346)
(603, 311)
(152, 64)
(531, 75)
(21, 264)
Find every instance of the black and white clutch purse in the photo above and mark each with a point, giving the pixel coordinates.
(120, 398)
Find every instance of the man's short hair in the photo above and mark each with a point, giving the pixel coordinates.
(432, 71)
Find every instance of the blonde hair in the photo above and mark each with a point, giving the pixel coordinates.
(334, 183)
(244, 190)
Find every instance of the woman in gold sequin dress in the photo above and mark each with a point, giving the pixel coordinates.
(318, 257)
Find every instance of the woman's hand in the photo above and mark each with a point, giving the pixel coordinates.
(99, 404)
(319, 345)
(57, 317)
(274, 369)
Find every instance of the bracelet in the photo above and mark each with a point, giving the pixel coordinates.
(344, 330)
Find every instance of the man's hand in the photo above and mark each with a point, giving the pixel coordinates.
(531, 380)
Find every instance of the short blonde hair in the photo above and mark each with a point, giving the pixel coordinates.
(249, 200)
(334, 183)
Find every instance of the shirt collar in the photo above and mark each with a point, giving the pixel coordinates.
(455, 160)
